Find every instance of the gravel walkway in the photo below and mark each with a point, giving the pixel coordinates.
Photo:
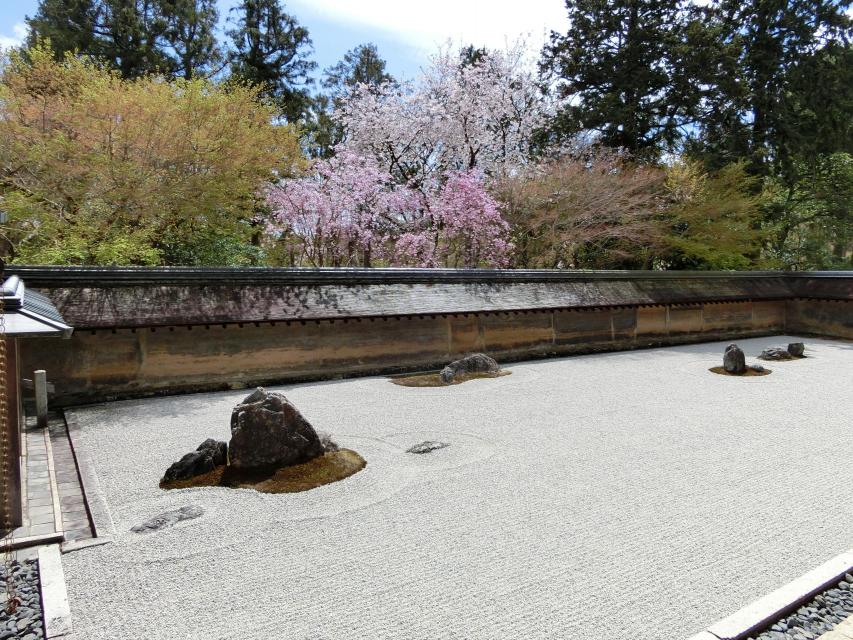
(26, 622)
(631, 495)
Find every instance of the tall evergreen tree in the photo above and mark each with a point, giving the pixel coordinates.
(68, 24)
(136, 37)
(191, 34)
(630, 71)
(360, 65)
(271, 49)
(793, 90)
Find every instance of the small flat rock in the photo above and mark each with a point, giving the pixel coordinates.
(169, 519)
(427, 446)
(775, 353)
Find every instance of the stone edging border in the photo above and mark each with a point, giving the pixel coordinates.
(54, 597)
(767, 610)
(103, 527)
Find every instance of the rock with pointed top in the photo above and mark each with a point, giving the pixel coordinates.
(268, 431)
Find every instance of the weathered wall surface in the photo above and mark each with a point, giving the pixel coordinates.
(103, 363)
(157, 331)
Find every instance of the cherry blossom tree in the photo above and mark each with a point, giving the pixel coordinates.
(351, 212)
(480, 113)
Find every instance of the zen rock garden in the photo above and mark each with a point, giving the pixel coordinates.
(734, 359)
(273, 449)
(475, 365)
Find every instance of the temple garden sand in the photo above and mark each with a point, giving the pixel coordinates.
(622, 495)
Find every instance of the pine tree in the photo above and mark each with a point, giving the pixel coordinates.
(191, 33)
(127, 34)
(360, 65)
(271, 49)
(69, 25)
(629, 71)
(794, 88)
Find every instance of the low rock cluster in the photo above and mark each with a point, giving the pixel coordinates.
(822, 614)
(427, 446)
(734, 360)
(25, 622)
(267, 432)
(794, 350)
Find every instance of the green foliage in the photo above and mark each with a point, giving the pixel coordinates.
(135, 37)
(633, 71)
(270, 50)
(96, 169)
(712, 220)
(810, 222)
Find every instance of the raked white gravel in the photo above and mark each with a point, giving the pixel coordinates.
(630, 495)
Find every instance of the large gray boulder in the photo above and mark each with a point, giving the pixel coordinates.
(475, 363)
(209, 455)
(268, 431)
(733, 360)
(797, 349)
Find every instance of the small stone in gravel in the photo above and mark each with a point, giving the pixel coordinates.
(169, 519)
(427, 446)
(796, 349)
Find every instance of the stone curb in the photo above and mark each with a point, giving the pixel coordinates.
(767, 610)
(103, 527)
(54, 598)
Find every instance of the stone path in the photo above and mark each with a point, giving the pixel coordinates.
(54, 507)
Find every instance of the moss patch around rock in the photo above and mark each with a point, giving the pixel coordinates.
(746, 374)
(325, 469)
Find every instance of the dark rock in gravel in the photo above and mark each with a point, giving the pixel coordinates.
(207, 457)
(775, 353)
(169, 519)
(427, 446)
(733, 359)
(758, 368)
(796, 349)
(475, 363)
(268, 431)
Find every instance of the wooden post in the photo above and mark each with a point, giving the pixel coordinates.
(11, 435)
(40, 385)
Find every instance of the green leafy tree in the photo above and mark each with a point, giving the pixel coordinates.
(69, 25)
(712, 220)
(97, 169)
(272, 50)
(630, 71)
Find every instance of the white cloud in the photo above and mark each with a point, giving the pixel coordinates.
(19, 34)
(427, 24)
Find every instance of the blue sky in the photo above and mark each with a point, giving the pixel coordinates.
(405, 32)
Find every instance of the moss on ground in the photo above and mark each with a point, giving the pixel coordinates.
(325, 469)
(748, 373)
(433, 379)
